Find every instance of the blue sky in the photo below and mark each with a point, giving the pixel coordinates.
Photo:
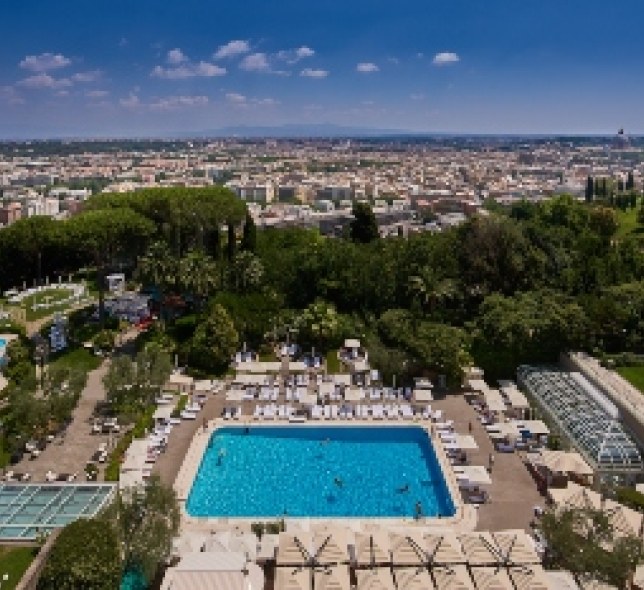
(149, 67)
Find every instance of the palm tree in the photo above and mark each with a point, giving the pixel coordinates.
(198, 274)
(160, 268)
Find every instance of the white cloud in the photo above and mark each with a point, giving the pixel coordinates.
(417, 96)
(40, 81)
(232, 48)
(86, 77)
(96, 93)
(178, 102)
(292, 56)
(445, 58)
(367, 68)
(255, 62)
(203, 69)
(235, 98)
(176, 56)
(311, 73)
(44, 62)
(131, 102)
(239, 100)
(62, 93)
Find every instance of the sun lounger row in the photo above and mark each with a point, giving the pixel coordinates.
(273, 411)
(232, 413)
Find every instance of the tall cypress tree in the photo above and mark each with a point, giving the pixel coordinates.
(630, 182)
(231, 246)
(589, 189)
(249, 237)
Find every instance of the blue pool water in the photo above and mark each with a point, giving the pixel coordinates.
(3, 343)
(328, 471)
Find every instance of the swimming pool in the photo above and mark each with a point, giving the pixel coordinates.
(330, 471)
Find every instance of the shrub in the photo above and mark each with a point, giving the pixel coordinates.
(85, 555)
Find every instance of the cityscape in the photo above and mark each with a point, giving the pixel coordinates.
(325, 296)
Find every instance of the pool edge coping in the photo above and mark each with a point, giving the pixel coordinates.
(465, 516)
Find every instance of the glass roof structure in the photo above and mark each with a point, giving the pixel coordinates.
(27, 510)
(585, 415)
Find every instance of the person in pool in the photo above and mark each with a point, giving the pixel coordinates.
(404, 489)
(338, 482)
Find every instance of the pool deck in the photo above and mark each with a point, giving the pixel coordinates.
(464, 519)
(513, 493)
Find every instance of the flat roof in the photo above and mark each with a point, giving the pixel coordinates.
(26, 510)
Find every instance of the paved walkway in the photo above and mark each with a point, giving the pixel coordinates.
(513, 493)
(70, 453)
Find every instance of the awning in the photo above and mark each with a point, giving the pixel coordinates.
(529, 577)
(332, 578)
(452, 577)
(407, 549)
(413, 578)
(474, 474)
(330, 545)
(516, 547)
(575, 496)
(491, 578)
(480, 549)
(294, 549)
(565, 462)
(289, 578)
(444, 549)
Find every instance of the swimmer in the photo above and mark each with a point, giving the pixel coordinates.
(338, 482)
(246, 430)
(403, 489)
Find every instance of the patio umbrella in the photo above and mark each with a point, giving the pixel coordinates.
(576, 496)
(445, 548)
(529, 577)
(491, 578)
(452, 577)
(331, 545)
(407, 549)
(625, 521)
(412, 578)
(516, 548)
(294, 549)
(287, 578)
(332, 578)
(480, 549)
(372, 549)
(378, 578)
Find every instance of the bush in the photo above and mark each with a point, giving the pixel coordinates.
(631, 498)
(181, 406)
(85, 555)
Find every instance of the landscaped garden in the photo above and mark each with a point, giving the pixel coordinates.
(14, 562)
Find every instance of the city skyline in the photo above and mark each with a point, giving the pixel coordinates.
(421, 67)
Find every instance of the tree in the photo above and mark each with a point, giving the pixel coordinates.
(630, 181)
(246, 273)
(249, 236)
(319, 325)
(584, 543)
(214, 342)
(159, 268)
(146, 520)
(198, 274)
(105, 235)
(85, 555)
(590, 189)
(364, 227)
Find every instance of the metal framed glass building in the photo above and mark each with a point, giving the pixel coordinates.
(27, 510)
(587, 418)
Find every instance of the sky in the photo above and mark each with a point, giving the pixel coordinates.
(135, 68)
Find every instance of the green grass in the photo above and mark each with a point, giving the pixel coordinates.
(333, 362)
(50, 296)
(635, 375)
(628, 222)
(267, 357)
(14, 561)
(77, 358)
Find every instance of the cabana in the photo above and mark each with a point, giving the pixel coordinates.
(407, 549)
(625, 521)
(330, 545)
(294, 549)
(214, 570)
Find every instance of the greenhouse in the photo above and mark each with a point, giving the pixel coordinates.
(586, 417)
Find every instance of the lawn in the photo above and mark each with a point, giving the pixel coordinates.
(50, 296)
(14, 562)
(333, 362)
(77, 358)
(628, 222)
(634, 374)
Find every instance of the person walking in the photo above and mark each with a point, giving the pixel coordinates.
(491, 461)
